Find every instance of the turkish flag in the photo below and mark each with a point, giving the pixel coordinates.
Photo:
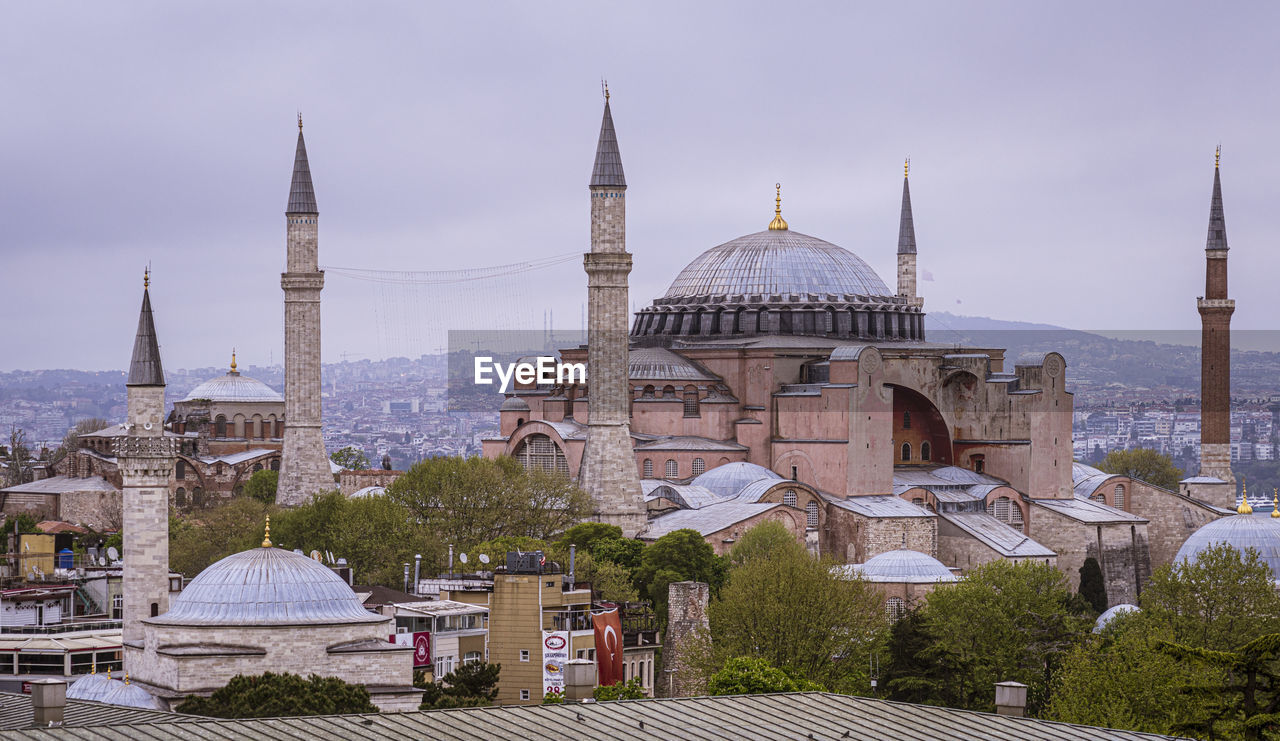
(608, 628)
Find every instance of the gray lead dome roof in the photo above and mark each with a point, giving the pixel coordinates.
(1261, 533)
(777, 261)
(234, 387)
(905, 566)
(266, 586)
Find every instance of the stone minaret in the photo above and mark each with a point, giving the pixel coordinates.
(907, 245)
(145, 458)
(608, 471)
(1215, 352)
(304, 467)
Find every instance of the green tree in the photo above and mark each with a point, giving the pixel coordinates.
(554, 697)
(625, 552)
(1220, 601)
(585, 535)
(1244, 701)
(763, 540)
(280, 695)
(351, 458)
(1003, 622)
(630, 690)
(472, 500)
(262, 486)
(792, 610)
(1093, 587)
(913, 673)
(682, 555)
(470, 685)
(1147, 465)
(748, 675)
(215, 533)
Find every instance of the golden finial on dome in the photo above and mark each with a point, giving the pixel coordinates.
(1275, 502)
(233, 360)
(146, 277)
(299, 120)
(778, 223)
(1244, 508)
(266, 538)
(108, 672)
(126, 677)
(1217, 155)
(906, 168)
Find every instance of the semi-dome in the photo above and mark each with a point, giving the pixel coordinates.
(514, 404)
(101, 688)
(1261, 533)
(777, 261)
(266, 586)
(904, 566)
(234, 387)
(728, 479)
(1111, 613)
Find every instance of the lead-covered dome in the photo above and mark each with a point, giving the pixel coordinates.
(904, 566)
(102, 688)
(728, 479)
(267, 586)
(1261, 533)
(234, 387)
(777, 261)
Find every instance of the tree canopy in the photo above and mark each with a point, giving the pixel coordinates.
(746, 675)
(469, 685)
(262, 486)
(280, 695)
(682, 555)
(351, 458)
(1147, 465)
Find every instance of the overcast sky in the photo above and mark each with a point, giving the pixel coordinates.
(1062, 154)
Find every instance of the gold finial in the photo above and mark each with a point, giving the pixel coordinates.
(1217, 155)
(1244, 508)
(108, 672)
(906, 168)
(266, 538)
(299, 120)
(93, 668)
(126, 677)
(146, 277)
(1275, 502)
(233, 360)
(778, 223)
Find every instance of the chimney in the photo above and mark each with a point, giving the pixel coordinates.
(1011, 698)
(579, 680)
(48, 701)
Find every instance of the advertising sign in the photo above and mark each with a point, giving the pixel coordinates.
(608, 626)
(421, 643)
(555, 655)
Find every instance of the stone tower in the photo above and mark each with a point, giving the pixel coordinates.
(304, 467)
(1215, 362)
(907, 245)
(608, 471)
(145, 458)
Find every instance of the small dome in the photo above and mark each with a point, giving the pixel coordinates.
(727, 480)
(234, 387)
(515, 404)
(777, 261)
(267, 586)
(98, 688)
(1262, 533)
(905, 566)
(1111, 614)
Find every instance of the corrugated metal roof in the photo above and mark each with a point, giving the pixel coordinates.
(1087, 510)
(62, 485)
(797, 715)
(929, 476)
(101, 688)
(996, 535)
(689, 496)
(879, 505)
(245, 455)
(690, 442)
(16, 713)
(710, 519)
(729, 479)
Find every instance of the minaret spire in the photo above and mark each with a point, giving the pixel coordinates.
(907, 274)
(302, 195)
(608, 166)
(145, 368)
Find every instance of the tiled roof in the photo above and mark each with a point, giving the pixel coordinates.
(62, 485)
(660, 364)
(793, 715)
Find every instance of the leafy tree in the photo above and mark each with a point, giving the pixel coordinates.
(631, 690)
(681, 555)
(625, 552)
(472, 500)
(1003, 622)
(763, 540)
(610, 581)
(351, 458)
(912, 672)
(470, 685)
(746, 675)
(554, 697)
(1244, 699)
(280, 695)
(1093, 587)
(262, 486)
(585, 535)
(1147, 465)
(790, 609)
(215, 533)
(20, 523)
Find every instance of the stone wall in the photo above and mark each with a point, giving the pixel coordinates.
(1119, 547)
(688, 633)
(1173, 518)
(853, 538)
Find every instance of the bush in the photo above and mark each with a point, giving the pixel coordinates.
(280, 695)
(632, 690)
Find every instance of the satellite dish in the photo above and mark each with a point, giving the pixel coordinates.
(315, 555)
(462, 557)
(102, 560)
(484, 558)
(113, 554)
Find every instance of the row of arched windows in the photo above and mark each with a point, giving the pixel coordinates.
(926, 452)
(255, 427)
(671, 469)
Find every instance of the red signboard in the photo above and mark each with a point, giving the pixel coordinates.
(421, 643)
(608, 628)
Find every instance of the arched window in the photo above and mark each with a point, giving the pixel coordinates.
(220, 426)
(673, 469)
(541, 452)
(925, 451)
(197, 497)
(690, 403)
(180, 497)
(668, 392)
(1007, 511)
(699, 466)
(257, 467)
(180, 469)
(789, 497)
(895, 608)
(906, 420)
(1119, 500)
(979, 463)
(906, 451)
(918, 501)
(648, 468)
(812, 510)
(275, 464)
(647, 393)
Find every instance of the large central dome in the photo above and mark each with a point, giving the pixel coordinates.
(777, 261)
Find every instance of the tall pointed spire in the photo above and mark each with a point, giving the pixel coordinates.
(145, 368)
(608, 167)
(906, 226)
(302, 196)
(1217, 221)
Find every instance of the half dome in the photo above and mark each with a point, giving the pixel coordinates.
(1261, 533)
(773, 262)
(267, 586)
(905, 566)
(729, 479)
(234, 387)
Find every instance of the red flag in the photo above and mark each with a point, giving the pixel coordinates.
(608, 628)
